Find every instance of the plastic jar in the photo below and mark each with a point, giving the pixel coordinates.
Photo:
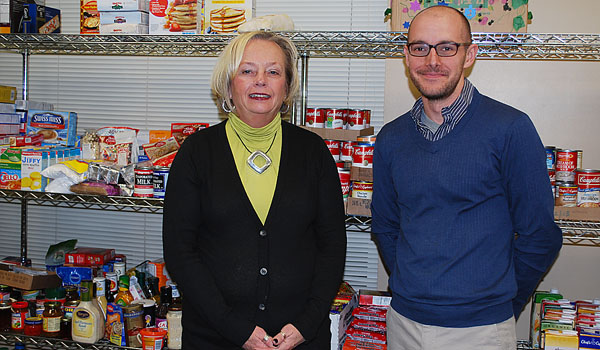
(20, 311)
(51, 317)
(33, 326)
(174, 326)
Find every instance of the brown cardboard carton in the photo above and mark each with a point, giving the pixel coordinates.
(484, 15)
(576, 213)
(341, 134)
(361, 174)
(358, 206)
(26, 281)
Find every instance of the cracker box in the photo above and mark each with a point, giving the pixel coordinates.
(58, 128)
(175, 17)
(222, 17)
(89, 17)
(483, 15)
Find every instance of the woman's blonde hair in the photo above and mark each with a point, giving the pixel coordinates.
(231, 57)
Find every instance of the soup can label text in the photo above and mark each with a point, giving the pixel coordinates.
(346, 150)
(334, 148)
(160, 176)
(588, 187)
(362, 189)
(143, 182)
(335, 118)
(355, 120)
(344, 182)
(363, 156)
(566, 163)
(566, 194)
(315, 117)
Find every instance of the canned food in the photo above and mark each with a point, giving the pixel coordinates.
(566, 163)
(579, 158)
(355, 120)
(133, 316)
(344, 182)
(315, 117)
(588, 187)
(143, 182)
(334, 148)
(566, 194)
(335, 118)
(160, 175)
(367, 139)
(550, 158)
(119, 268)
(366, 117)
(346, 150)
(362, 189)
(362, 156)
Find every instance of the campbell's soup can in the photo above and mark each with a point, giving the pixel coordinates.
(367, 139)
(143, 182)
(334, 118)
(315, 117)
(566, 194)
(334, 148)
(344, 182)
(362, 189)
(366, 117)
(346, 150)
(355, 120)
(550, 158)
(160, 175)
(588, 187)
(340, 165)
(362, 156)
(579, 158)
(566, 163)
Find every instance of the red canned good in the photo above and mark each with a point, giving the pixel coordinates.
(334, 148)
(144, 186)
(344, 182)
(335, 118)
(315, 117)
(588, 187)
(355, 120)
(566, 163)
(363, 156)
(362, 189)
(340, 165)
(566, 194)
(366, 117)
(346, 150)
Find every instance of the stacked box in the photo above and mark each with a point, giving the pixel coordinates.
(89, 17)
(58, 128)
(10, 168)
(40, 19)
(123, 16)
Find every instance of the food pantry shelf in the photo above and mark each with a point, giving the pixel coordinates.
(580, 47)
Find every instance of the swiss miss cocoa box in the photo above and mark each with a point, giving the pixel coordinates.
(58, 128)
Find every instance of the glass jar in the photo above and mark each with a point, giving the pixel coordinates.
(174, 326)
(65, 328)
(33, 326)
(4, 292)
(51, 317)
(5, 316)
(19, 312)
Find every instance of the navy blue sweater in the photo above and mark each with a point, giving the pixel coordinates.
(445, 215)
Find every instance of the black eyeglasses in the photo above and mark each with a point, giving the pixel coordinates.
(442, 49)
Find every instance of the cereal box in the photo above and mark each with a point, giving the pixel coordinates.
(58, 128)
(225, 16)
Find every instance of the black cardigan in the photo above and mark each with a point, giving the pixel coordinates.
(234, 272)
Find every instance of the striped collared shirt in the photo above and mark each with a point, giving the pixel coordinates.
(452, 114)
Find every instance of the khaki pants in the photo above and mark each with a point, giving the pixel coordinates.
(405, 334)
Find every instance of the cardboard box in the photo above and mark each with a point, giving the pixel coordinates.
(374, 298)
(577, 213)
(58, 128)
(33, 162)
(39, 19)
(175, 17)
(341, 321)
(123, 28)
(361, 174)
(509, 17)
(89, 17)
(341, 134)
(123, 5)
(123, 17)
(89, 256)
(38, 279)
(222, 17)
(358, 206)
(8, 94)
(10, 168)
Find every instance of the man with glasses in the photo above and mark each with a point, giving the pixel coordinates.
(462, 204)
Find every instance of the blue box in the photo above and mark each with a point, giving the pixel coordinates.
(59, 128)
(40, 19)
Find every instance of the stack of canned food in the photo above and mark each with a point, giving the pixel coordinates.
(357, 154)
(572, 184)
(338, 118)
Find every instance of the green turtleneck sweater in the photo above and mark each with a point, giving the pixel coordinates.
(259, 187)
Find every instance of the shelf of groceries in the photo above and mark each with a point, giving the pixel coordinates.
(350, 44)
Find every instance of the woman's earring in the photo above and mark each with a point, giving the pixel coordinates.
(284, 108)
(225, 107)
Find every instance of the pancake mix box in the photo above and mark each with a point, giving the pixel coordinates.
(58, 128)
(175, 17)
(224, 17)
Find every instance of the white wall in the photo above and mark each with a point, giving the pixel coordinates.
(562, 98)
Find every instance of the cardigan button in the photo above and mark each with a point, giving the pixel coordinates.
(261, 307)
(263, 271)
(263, 233)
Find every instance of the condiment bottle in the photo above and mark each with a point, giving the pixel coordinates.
(5, 316)
(124, 296)
(51, 319)
(87, 325)
(153, 288)
(176, 295)
(175, 329)
(20, 311)
(100, 294)
(163, 308)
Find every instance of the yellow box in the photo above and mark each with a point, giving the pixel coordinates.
(8, 94)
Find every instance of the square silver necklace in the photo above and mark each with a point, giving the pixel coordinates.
(257, 154)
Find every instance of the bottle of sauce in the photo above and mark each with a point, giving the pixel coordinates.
(5, 315)
(20, 311)
(51, 319)
(88, 323)
(153, 288)
(100, 291)
(163, 308)
(112, 286)
(71, 301)
(176, 294)
(124, 296)
(175, 329)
